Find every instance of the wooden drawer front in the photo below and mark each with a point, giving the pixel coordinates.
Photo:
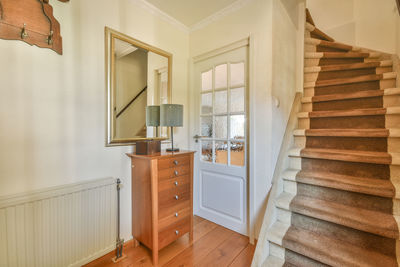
(173, 162)
(173, 183)
(173, 232)
(171, 210)
(173, 172)
(173, 196)
(173, 216)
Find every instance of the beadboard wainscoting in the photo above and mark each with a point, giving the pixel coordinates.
(67, 225)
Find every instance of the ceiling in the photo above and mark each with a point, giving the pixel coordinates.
(190, 12)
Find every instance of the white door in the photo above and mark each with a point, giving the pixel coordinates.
(220, 187)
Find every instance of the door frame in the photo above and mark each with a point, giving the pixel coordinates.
(250, 111)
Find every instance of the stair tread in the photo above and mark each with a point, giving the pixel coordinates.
(351, 66)
(376, 187)
(348, 132)
(332, 251)
(273, 261)
(349, 112)
(371, 221)
(347, 155)
(353, 95)
(339, 55)
(351, 80)
(326, 43)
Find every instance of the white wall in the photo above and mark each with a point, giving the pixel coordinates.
(52, 107)
(371, 24)
(268, 80)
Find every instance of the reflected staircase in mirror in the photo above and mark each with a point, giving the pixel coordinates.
(337, 203)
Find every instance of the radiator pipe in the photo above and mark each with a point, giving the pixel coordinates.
(120, 242)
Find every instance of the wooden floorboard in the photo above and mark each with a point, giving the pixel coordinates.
(213, 245)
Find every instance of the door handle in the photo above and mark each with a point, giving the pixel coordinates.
(196, 138)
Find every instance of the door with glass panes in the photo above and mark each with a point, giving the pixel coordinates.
(221, 139)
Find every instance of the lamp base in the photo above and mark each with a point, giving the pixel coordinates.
(172, 149)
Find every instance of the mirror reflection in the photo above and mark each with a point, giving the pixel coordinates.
(138, 77)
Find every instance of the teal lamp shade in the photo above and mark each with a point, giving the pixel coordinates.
(153, 116)
(171, 115)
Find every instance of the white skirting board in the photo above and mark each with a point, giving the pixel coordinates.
(67, 225)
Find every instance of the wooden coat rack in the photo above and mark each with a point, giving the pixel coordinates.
(31, 21)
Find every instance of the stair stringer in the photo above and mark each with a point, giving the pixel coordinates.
(283, 163)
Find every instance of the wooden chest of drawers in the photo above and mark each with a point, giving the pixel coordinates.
(162, 198)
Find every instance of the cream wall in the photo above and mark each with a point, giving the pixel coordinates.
(52, 107)
(372, 24)
(267, 82)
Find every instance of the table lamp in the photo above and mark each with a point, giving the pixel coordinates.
(153, 117)
(171, 115)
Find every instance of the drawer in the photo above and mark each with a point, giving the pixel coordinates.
(173, 172)
(165, 212)
(173, 232)
(173, 182)
(173, 216)
(173, 196)
(173, 162)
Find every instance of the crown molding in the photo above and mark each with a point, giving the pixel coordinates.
(197, 26)
(219, 14)
(164, 16)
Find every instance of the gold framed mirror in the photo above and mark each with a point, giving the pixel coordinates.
(137, 75)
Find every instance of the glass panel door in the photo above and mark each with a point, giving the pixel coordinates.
(223, 114)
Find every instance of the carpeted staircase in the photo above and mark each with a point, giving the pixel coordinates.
(339, 205)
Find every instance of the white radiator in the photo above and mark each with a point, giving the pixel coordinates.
(62, 226)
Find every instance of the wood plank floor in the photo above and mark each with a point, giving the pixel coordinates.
(213, 245)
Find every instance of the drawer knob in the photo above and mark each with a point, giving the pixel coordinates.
(177, 232)
(175, 162)
(176, 173)
(176, 197)
(176, 183)
(176, 214)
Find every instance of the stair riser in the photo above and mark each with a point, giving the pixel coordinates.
(365, 240)
(392, 144)
(352, 199)
(348, 187)
(321, 48)
(367, 170)
(347, 88)
(293, 259)
(348, 143)
(358, 103)
(365, 102)
(329, 75)
(312, 62)
(388, 228)
(350, 122)
(336, 61)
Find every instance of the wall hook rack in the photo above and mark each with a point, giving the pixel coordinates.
(40, 27)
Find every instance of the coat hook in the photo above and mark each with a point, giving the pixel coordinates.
(50, 38)
(24, 34)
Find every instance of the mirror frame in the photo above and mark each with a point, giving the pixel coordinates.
(110, 36)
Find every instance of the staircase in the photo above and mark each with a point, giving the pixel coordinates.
(339, 199)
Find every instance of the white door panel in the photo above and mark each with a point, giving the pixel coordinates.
(220, 188)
